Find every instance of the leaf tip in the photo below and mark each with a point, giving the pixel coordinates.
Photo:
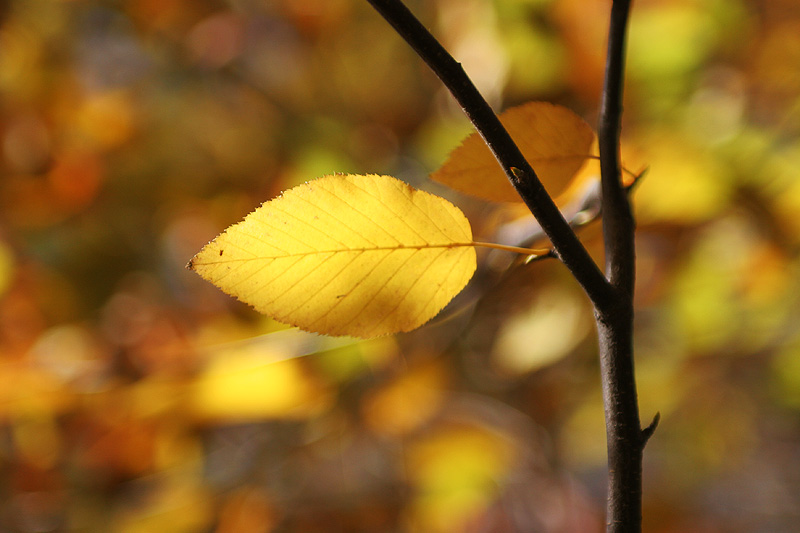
(194, 261)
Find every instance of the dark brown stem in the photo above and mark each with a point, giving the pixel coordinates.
(618, 223)
(625, 438)
(565, 243)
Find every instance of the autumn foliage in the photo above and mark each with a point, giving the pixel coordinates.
(345, 255)
(137, 397)
(369, 255)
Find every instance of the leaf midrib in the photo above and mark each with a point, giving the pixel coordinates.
(473, 244)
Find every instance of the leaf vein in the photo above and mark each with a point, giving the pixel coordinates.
(313, 294)
(378, 291)
(410, 289)
(345, 250)
(337, 219)
(397, 216)
(354, 287)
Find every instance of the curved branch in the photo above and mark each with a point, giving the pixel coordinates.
(522, 176)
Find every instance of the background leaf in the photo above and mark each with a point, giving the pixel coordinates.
(345, 255)
(555, 141)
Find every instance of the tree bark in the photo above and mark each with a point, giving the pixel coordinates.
(625, 439)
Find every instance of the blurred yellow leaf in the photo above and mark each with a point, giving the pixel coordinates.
(345, 255)
(456, 471)
(554, 140)
(27, 390)
(408, 401)
(688, 189)
(552, 309)
(244, 385)
(106, 120)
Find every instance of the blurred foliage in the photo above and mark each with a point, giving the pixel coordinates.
(136, 397)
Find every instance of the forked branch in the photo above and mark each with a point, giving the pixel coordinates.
(612, 293)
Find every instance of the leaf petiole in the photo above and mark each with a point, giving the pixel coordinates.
(514, 249)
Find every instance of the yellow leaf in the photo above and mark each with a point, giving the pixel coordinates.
(345, 255)
(243, 385)
(554, 140)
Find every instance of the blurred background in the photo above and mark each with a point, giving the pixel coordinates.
(135, 397)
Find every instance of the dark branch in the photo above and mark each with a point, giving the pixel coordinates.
(625, 438)
(566, 244)
(618, 223)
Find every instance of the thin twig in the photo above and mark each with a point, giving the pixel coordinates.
(618, 223)
(565, 243)
(649, 430)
